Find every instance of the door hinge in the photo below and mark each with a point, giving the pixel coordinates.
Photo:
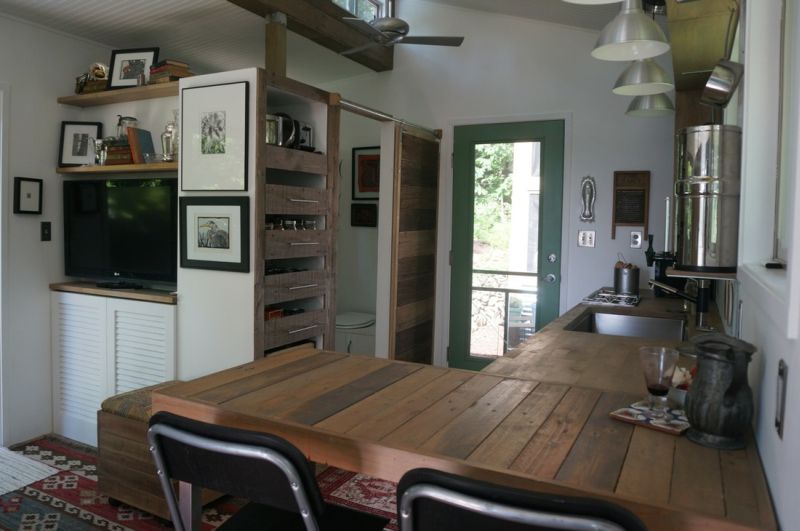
(450, 258)
(448, 352)
(452, 159)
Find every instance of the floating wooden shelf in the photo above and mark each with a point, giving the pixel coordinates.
(678, 273)
(89, 288)
(280, 158)
(104, 97)
(120, 168)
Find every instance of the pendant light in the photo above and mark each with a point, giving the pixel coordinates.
(642, 78)
(650, 106)
(631, 35)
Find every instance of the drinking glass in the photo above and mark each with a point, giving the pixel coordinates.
(658, 365)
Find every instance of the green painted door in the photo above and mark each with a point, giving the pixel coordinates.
(506, 256)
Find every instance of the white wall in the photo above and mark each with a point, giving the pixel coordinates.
(769, 298)
(356, 247)
(515, 69)
(38, 66)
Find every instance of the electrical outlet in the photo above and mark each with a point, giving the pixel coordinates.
(45, 232)
(636, 239)
(586, 238)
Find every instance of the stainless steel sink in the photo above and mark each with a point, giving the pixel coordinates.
(613, 324)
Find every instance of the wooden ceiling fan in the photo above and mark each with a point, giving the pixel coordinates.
(389, 31)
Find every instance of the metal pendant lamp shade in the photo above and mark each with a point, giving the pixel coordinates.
(631, 35)
(643, 78)
(651, 106)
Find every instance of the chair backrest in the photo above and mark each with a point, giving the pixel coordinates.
(429, 500)
(259, 467)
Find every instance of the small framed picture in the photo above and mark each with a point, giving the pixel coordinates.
(363, 215)
(126, 65)
(214, 137)
(27, 195)
(77, 143)
(215, 233)
(366, 172)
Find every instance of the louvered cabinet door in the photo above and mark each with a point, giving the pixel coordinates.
(141, 344)
(78, 332)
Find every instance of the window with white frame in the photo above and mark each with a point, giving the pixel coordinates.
(367, 10)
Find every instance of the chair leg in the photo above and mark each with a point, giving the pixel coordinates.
(191, 506)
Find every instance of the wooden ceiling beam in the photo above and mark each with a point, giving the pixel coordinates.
(321, 21)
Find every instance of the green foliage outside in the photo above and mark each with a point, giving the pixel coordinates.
(493, 186)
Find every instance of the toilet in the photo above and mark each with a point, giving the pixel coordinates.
(355, 333)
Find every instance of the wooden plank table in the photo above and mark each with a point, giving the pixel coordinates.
(382, 418)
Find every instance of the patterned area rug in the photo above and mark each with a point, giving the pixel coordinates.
(69, 501)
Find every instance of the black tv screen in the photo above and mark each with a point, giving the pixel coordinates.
(121, 229)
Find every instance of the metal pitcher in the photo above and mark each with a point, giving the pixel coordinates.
(719, 404)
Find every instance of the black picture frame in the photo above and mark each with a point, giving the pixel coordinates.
(125, 65)
(24, 186)
(206, 249)
(366, 173)
(363, 215)
(211, 171)
(75, 146)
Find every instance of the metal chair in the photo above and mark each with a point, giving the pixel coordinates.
(268, 471)
(430, 500)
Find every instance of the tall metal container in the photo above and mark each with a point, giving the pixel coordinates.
(707, 186)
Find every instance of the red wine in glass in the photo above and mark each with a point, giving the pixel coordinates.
(658, 390)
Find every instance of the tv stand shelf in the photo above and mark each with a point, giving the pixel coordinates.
(119, 168)
(89, 288)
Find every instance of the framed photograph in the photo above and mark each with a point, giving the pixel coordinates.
(214, 138)
(27, 195)
(363, 215)
(126, 65)
(77, 143)
(215, 233)
(366, 172)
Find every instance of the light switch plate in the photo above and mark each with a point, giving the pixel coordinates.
(636, 239)
(586, 238)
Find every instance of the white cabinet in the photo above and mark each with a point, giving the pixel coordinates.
(102, 346)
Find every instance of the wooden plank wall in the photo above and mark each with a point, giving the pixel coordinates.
(416, 187)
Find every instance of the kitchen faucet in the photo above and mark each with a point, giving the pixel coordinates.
(701, 301)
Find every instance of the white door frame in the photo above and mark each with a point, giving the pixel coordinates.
(5, 198)
(441, 334)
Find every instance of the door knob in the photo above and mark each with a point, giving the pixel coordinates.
(550, 278)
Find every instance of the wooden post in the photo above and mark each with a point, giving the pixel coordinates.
(275, 50)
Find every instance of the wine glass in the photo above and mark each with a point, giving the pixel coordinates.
(658, 365)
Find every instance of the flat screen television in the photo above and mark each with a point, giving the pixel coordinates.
(121, 229)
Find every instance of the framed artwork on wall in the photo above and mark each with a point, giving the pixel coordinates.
(214, 137)
(126, 66)
(363, 215)
(366, 172)
(77, 143)
(27, 195)
(215, 233)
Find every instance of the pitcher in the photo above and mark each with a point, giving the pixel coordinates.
(719, 404)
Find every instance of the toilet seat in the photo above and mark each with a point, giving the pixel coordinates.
(353, 320)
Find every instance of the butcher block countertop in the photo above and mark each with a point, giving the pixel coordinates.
(538, 421)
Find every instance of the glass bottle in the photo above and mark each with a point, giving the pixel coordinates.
(169, 139)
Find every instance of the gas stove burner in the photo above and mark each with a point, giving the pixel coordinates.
(608, 297)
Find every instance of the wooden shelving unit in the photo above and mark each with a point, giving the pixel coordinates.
(281, 158)
(120, 168)
(160, 90)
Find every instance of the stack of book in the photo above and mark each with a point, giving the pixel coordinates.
(169, 70)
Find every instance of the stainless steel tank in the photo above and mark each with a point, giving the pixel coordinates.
(707, 168)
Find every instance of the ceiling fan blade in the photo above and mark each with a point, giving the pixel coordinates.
(363, 26)
(357, 49)
(435, 41)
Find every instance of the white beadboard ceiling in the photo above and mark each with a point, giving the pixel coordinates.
(215, 35)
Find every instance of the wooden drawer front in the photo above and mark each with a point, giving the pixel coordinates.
(298, 200)
(296, 243)
(284, 330)
(293, 286)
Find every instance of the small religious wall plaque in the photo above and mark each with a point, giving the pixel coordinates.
(631, 200)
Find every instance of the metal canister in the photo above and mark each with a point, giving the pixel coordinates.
(707, 187)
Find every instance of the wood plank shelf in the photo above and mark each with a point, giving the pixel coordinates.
(281, 158)
(89, 288)
(105, 97)
(120, 168)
